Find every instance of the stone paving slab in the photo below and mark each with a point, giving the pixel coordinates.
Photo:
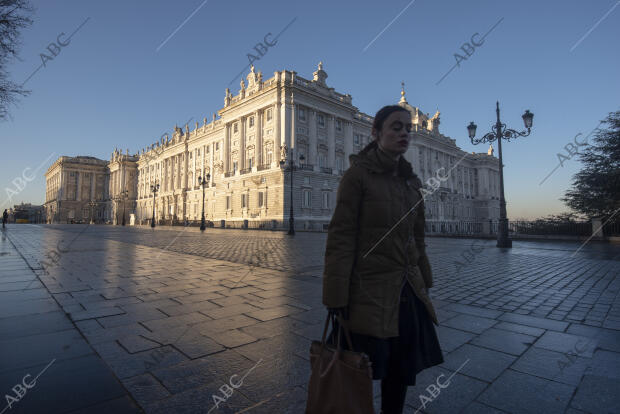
(515, 392)
(460, 391)
(565, 343)
(605, 390)
(510, 342)
(482, 363)
(42, 348)
(470, 323)
(522, 329)
(552, 365)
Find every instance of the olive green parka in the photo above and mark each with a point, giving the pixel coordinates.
(375, 243)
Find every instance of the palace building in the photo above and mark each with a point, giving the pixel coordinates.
(76, 187)
(244, 154)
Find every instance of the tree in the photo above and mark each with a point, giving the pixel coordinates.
(14, 16)
(595, 188)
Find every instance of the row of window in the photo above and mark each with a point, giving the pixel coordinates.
(435, 209)
(262, 197)
(268, 118)
(320, 119)
(207, 151)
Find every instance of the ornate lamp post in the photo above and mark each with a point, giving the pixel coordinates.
(117, 199)
(291, 219)
(124, 195)
(202, 181)
(92, 205)
(154, 190)
(500, 131)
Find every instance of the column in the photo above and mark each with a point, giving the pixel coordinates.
(258, 152)
(93, 185)
(173, 175)
(62, 180)
(312, 159)
(226, 150)
(157, 175)
(293, 138)
(242, 122)
(173, 172)
(285, 134)
(179, 177)
(119, 180)
(185, 160)
(125, 181)
(106, 187)
(161, 175)
(348, 144)
(78, 190)
(182, 171)
(190, 185)
(331, 142)
(169, 174)
(211, 160)
(467, 183)
(113, 184)
(277, 141)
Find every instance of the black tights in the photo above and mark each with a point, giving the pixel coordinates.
(393, 393)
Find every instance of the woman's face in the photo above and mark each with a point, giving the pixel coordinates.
(394, 135)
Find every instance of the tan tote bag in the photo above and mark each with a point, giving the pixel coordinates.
(341, 380)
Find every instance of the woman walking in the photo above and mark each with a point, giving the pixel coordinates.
(377, 273)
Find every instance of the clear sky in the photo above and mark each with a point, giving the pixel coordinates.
(134, 69)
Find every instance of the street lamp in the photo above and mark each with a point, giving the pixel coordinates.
(124, 195)
(154, 189)
(500, 131)
(291, 219)
(202, 181)
(92, 205)
(117, 200)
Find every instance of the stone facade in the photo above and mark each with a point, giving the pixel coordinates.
(468, 183)
(122, 191)
(71, 184)
(279, 119)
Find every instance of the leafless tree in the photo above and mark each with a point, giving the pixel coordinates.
(14, 16)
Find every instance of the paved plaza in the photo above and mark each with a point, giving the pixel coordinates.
(111, 319)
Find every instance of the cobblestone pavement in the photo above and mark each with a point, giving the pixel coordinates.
(223, 321)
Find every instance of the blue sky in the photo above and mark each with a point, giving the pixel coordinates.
(111, 86)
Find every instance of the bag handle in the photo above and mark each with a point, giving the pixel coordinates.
(341, 326)
(325, 329)
(323, 346)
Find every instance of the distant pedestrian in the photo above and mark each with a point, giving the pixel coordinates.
(383, 298)
(5, 218)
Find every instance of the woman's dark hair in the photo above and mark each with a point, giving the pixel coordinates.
(380, 118)
(384, 113)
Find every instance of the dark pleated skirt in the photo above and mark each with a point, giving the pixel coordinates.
(402, 357)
